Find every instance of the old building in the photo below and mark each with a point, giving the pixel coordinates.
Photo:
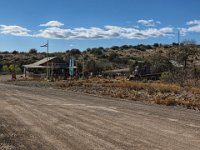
(49, 68)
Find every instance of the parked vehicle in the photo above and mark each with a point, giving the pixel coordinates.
(142, 71)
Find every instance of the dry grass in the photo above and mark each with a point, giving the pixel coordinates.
(152, 92)
(150, 87)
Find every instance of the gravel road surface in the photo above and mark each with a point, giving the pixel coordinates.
(49, 119)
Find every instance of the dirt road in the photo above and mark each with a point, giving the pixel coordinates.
(48, 119)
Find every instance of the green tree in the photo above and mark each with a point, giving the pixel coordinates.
(67, 51)
(32, 51)
(90, 66)
(5, 52)
(12, 68)
(18, 69)
(97, 51)
(115, 48)
(124, 47)
(75, 51)
(15, 52)
(5, 68)
(156, 45)
(79, 67)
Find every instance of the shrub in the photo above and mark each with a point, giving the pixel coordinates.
(166, 76)
(124, 47)
(156, 45)
(97, 51)
(115, 48)
(113, 56)
(5, 68)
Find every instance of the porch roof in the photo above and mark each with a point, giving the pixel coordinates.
(39, 63)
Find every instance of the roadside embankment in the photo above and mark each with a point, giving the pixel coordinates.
(148, 92)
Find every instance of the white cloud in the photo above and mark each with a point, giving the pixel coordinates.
(54, 31)
(194, 26)
(136, 26)
(194, 22)
(107, 32)
(14, 30)
(52, 24)
(149, 23)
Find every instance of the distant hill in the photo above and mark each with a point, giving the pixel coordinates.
(98, 59)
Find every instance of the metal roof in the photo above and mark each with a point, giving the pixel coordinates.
(175, 64)
(39, 63)
(117, 70)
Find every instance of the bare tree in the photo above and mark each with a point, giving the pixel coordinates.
(188, 55)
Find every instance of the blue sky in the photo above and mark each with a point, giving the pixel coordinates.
(67, 24)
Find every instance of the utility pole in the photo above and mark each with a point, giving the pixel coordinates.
(52, 68)
(47, 55)
(178, 41)
(83, 66)
(94, 71)
(178, 37)
(83, 70)
(48, 73)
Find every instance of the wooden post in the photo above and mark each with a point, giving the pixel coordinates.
(24, 72)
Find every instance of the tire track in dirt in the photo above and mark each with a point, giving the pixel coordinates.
(54, 119)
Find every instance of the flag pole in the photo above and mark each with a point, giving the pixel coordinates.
(47, 56)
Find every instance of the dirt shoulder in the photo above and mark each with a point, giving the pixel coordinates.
(147, 92)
